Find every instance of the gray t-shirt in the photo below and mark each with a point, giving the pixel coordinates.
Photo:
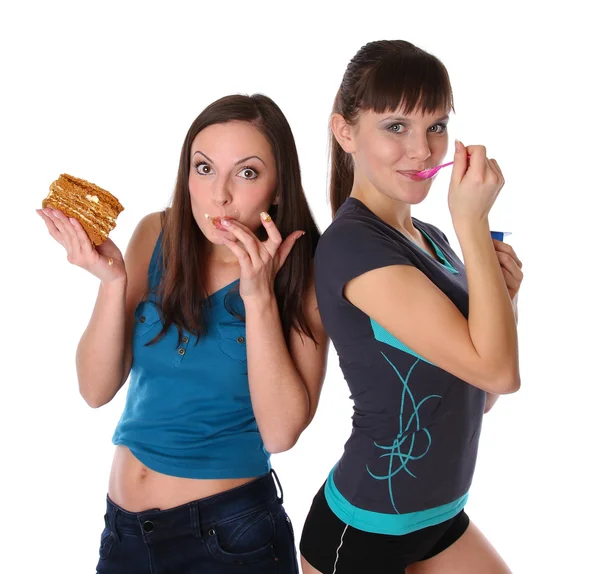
(416, 427)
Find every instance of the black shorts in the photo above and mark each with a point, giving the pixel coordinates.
(331, 546)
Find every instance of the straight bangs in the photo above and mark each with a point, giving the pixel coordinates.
(416, 82)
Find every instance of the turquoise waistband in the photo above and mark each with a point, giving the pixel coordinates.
(393, 524)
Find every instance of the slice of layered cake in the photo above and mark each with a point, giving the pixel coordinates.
(95, 208)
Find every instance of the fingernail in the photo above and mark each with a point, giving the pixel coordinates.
(72, 220)
(225, 222)
(265, 216)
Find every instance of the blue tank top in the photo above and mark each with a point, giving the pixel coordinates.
(188, 411)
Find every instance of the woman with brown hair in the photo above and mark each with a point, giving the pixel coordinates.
(212, 316)
(425, 343)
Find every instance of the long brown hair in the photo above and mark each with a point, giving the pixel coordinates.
(384, 76)
(182, 289)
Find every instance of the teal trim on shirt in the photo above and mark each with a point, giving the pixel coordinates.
(384, 336)
(392, 524)
(439, 253)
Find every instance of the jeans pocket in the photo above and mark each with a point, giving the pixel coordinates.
(244, 539)
(107, 540)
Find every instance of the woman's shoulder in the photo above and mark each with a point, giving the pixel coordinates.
(152, 223)
(354, 227)
(139, 255)
(149, 228)
(352, 216)
(144, 238)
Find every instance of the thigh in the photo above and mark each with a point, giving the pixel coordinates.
(472, 552)
(307, 568)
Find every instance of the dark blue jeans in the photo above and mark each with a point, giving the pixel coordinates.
(244, 530)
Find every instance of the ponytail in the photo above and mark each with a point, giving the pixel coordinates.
(341, 169)
(341, 175)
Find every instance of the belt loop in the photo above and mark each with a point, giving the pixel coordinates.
(111, 520)
(279, 498)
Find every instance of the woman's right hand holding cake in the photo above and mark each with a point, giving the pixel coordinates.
(104, 352)
(103, 261)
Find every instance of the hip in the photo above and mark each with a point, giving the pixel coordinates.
(245, 527)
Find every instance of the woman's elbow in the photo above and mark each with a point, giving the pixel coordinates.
(95, 399)
(278, 445)
(499, 381)
(94, 402)
(283, 440)
(508, 383)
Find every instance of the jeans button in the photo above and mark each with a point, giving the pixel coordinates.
(148, 526)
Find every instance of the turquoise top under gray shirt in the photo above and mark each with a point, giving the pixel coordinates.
(409, 461)
(188, 411)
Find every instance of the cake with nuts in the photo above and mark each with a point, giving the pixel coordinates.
(95, 208)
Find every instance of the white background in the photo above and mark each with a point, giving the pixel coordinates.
(107, 93)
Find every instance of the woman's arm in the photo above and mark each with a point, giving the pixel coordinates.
(104, 352)
(285, 384)
(103, 356)
(513, 276)
(481, 350)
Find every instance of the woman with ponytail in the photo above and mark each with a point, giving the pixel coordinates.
(425, 342)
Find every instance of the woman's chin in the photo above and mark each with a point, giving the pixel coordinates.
(414, 199)
(219, 237)
(414, 194)
(410, 197)
(216, 236)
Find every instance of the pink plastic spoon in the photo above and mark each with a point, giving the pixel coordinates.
(429, 173)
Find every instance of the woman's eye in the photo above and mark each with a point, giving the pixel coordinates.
(203, 168)
(248, 173)
(438, 128)
(396, 128)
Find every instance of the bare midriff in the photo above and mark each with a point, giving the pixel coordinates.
(135, 487)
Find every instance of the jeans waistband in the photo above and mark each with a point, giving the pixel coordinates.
(197, 516)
